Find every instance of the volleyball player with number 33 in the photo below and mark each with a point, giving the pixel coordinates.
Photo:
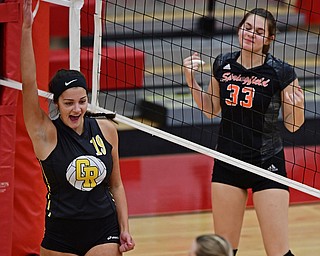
(248, 89)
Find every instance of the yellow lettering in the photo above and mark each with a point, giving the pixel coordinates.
(86, 173)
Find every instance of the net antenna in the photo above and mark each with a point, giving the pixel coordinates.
(96, 65)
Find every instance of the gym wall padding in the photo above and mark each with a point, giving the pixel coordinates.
(7, 152)
(8, 103)
(22, 195)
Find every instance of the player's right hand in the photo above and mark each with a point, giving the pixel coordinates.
(193, 62)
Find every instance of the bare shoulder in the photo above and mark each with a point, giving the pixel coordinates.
(109, 129)
(107, 124)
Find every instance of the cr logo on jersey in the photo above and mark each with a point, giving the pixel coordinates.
(86, 172)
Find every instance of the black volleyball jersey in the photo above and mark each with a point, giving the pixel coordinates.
(77, 172)
(250, 102)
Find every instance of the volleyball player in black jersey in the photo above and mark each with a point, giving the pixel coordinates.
(247, 89)
(86, 211)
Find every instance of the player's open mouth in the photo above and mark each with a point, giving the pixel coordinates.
(74, 118)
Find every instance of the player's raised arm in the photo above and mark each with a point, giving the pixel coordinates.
(207, 101)
(38, 124)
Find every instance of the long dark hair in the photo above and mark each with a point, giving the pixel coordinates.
(271, 24)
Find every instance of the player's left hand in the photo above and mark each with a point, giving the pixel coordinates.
(126, 242)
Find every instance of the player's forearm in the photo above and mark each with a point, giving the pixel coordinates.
(28, 65)
(33, 114)
(201, 98)
(294, 120)
(122, 207)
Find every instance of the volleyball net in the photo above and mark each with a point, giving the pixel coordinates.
(132, 53)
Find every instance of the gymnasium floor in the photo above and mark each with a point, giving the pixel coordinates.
(172, 234)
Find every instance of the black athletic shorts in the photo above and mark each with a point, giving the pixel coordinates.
(79, 236)
(237, 177)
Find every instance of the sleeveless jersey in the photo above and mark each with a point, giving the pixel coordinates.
(250, 102)
(77, 172)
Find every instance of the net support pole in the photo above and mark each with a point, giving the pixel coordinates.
(74, 34)
(96, 54)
